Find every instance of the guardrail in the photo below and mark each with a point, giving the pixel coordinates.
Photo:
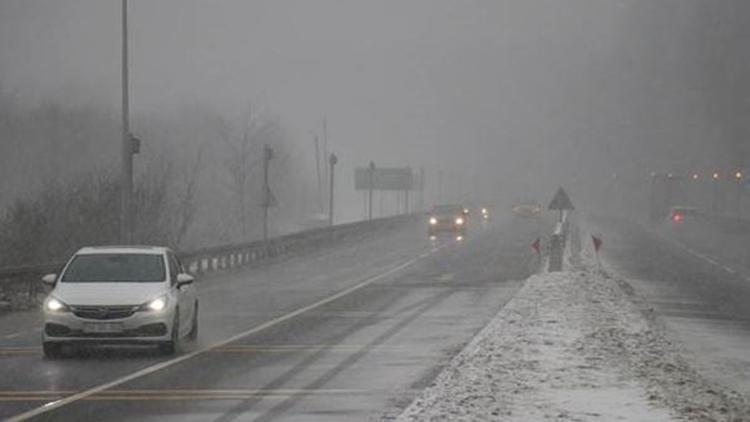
(22, 284)
(728, 223)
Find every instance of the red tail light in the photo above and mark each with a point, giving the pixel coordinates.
(677, 217)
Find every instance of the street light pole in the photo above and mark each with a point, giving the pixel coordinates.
(653, 213)
(421, 189)
(372, 179)
(333, 160)
(715, 201)
(738, 177)
(267, 155)
(440, 186)
(126, 178)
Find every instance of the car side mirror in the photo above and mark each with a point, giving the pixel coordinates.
(49, 279)
(184, 278)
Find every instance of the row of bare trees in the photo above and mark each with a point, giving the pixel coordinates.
(197, 179)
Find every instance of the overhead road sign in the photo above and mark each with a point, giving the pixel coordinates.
(397, 179)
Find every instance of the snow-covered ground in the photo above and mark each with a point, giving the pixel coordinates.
(574, 346)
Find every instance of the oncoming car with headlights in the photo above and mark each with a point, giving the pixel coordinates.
(120, 295)
(447, 219)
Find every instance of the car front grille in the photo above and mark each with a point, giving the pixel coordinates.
(104, 312)
(149, 330)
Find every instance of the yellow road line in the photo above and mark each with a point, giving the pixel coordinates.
(47, 407)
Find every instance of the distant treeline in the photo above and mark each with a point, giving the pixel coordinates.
(197, 179)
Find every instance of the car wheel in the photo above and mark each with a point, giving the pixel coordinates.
(170, 347)
(193, 334)
(52, 350)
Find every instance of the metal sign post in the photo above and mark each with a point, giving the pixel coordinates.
(267, 155)
(333, 160)
(371, 187)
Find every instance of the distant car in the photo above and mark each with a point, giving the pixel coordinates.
(484, 212)
(527, 210)
(448, 219)
(679, 214)
(120, 294)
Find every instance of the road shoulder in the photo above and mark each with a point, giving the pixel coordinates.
(574, 345)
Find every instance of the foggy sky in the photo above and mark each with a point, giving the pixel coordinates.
(498, 94)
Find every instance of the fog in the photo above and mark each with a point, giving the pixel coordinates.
(507, 99)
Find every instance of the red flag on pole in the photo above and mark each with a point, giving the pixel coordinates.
(537, 245)
(597, 243)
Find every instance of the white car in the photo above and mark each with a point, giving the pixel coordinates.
(120, 294)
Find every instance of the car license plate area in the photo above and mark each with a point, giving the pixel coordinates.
(102, 327)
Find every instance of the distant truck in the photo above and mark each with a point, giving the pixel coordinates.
(527, 210)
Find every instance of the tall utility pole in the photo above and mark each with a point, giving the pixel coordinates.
(126, 178)
(372, 179)
(421, 189)
(333, 160)
(317, 169)
(715, 201)
(440, 186)
(267, 155)
(653, 213)
(325, 152)
(738, 178)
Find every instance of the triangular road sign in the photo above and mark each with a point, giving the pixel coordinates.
(561, 201)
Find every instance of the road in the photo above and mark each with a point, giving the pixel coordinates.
(693, 276)
(347, 333)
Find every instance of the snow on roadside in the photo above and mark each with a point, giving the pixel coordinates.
(530, 364)
(572, 346)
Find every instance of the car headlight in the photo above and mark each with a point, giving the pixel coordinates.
(156, 305)
(459, 221)
(55, 305)
(484, 210)
(433, 221)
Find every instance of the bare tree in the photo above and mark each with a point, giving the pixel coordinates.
(245, 154)
(186, 202)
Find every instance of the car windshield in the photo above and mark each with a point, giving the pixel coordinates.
(684, 211)
(447, 209)
(115, 268)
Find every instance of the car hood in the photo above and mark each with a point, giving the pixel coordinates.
(108, 293)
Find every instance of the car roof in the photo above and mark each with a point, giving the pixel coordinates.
(683, 208)
(447, 208)
(123, 249)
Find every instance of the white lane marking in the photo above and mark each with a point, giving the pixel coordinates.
(159, 366)
(14, 335)
(701, 256)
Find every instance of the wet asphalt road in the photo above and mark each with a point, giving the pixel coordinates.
(352, 332)
(695, 278)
